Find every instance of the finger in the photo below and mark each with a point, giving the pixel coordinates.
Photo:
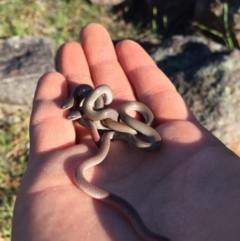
(150, 84)
(103, 62)
(49, 128)
(72, 63)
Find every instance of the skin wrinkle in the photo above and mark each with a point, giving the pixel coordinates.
(104, 58)
(49, 136)
(184, 139)
(144, 72)
(60, 155)
(183, 194)
(123, 182)
(183, 161)
(124, 176)
(52, 93)
(74, 79)
(144, 195)
(154, 92)
(41, 105)
(152, 221)
(118, 163)
(177, 211)
(40, 120)
(141, 71)
(188, 130)
(102, 70)
(104, 46)
(148, 93)
(136, 201)
(124, 96)
(125, 47)
(186, 163)
(75, 58)
(166, 96)
(44, 195)
(209, 209)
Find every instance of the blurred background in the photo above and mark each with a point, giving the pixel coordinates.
(195, 42)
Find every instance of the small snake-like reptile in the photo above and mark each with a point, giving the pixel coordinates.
(87, 104)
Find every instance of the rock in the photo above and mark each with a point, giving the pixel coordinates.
(23, 60)
(206, 74)
(19, 90)
(26, 55)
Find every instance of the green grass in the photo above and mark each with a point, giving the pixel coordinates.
(226, 37)
(13, 157)
(60, 20)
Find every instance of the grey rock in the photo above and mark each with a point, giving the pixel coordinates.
(19, 90)
(207, 75)
(26, 55)
(23, 60)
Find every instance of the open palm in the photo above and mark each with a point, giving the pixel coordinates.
(183, 191)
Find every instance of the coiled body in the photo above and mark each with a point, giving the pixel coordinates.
(124, 131)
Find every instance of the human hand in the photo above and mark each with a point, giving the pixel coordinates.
(188, 190)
